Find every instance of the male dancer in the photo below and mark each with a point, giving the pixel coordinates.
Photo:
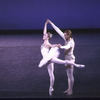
(69, 48)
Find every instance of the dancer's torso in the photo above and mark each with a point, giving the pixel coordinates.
(69, 52)
(44, 49)
(50, 51)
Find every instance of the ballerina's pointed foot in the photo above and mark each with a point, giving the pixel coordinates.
(51, 91)
(80, 66)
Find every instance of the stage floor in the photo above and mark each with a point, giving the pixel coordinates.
(20, 76)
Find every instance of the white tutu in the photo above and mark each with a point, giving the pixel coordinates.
(54, 52)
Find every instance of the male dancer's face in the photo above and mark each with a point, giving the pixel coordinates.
(67, 36)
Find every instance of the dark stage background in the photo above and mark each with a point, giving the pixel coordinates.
(32, 14)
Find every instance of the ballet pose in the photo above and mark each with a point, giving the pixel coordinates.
(69, 48)
(45, 47)
(50, 55)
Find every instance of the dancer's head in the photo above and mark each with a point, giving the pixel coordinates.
(67, 34)
(47, 36)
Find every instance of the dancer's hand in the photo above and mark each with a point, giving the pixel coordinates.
(48, 20)
(59, 45)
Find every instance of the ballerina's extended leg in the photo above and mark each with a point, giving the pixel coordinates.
(59, 61)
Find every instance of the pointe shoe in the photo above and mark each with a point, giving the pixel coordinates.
(51, 91)
(80, 66)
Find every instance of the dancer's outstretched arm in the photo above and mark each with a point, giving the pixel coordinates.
(45, 28)
(66, 47)
(57, 29)
(45, 32)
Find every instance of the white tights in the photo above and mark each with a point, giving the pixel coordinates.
(53, 57)
(69, 72)
(59, 61)
(50, 68)
(44, 61)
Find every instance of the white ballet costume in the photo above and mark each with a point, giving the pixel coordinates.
(44, 52)
(53, 52)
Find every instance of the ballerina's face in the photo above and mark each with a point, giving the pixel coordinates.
(45, 36)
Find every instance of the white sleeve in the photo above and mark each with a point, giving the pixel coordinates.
(66, 47)
(58, 30)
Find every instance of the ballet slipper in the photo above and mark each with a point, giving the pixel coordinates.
(80, 65)
(51, 91)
